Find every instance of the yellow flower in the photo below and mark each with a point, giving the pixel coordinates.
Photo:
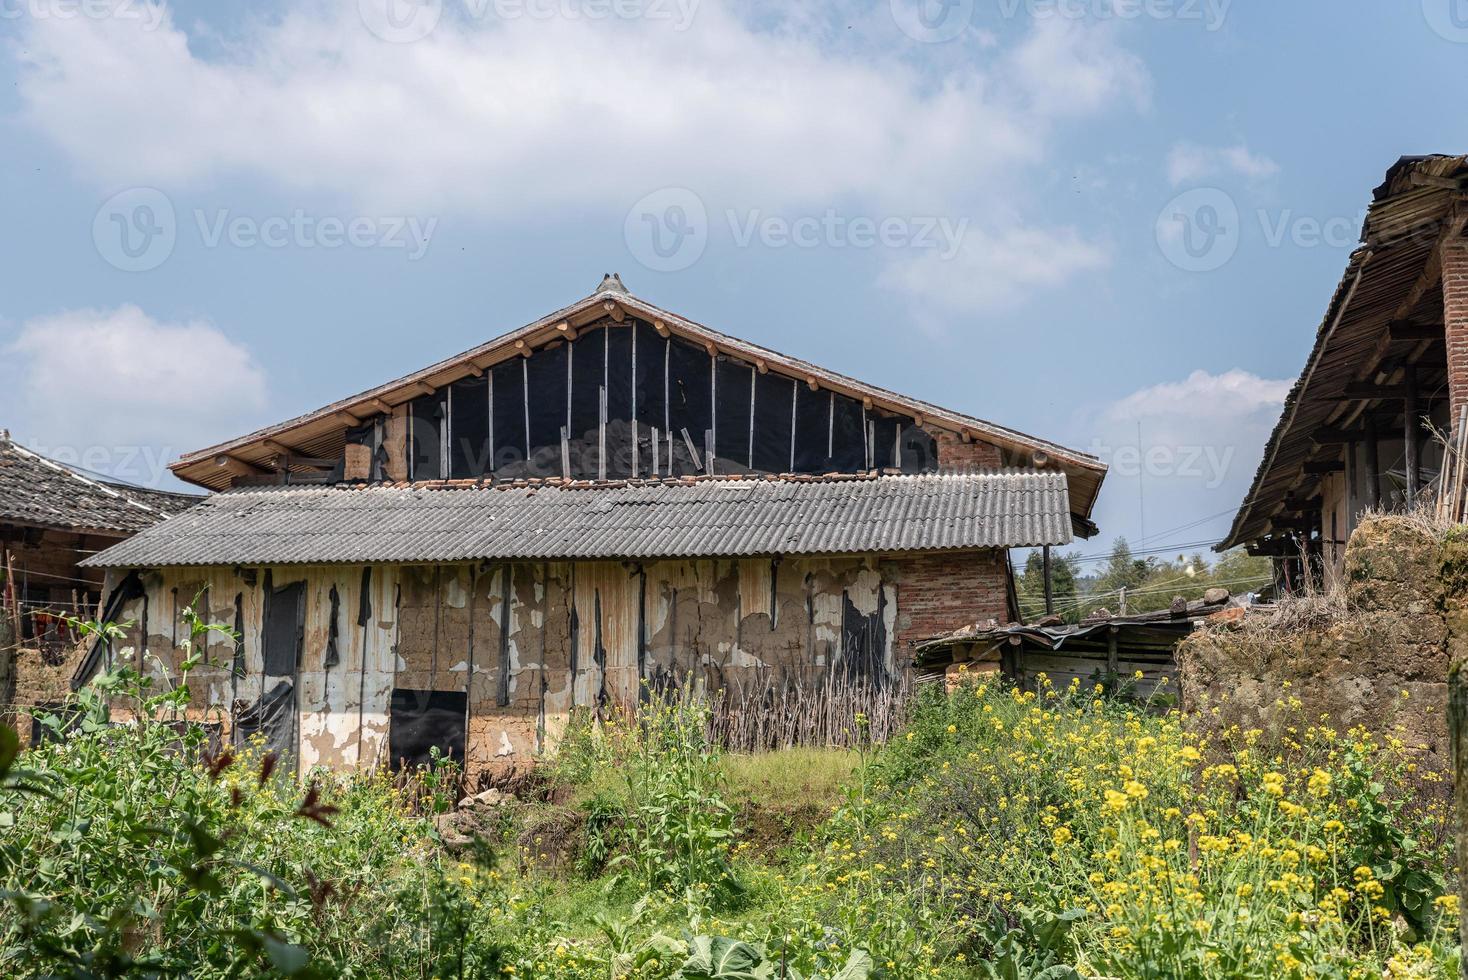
(1062, 836)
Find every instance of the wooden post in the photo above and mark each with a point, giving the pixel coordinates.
(1410, 434)
(1373, 467)
(1049, 587)
(9, 639)
(1113, 660)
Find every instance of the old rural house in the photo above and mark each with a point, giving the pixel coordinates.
(51, 518)
(1389, 366)
(610, 499)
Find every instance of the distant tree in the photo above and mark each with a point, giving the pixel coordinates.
(1031, 585)
(1123, 570)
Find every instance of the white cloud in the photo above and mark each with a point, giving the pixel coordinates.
(1188, 162)
(121, 392)
(1068, 67)
(995, 270)
(509, 118)
(1201, 439)
(1230, 396)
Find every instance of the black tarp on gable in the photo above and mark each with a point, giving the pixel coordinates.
(619, 401)
(773, 398)
(731, 445)
(690, 401)
(919, 450)
(588, 376)
(848, 446)
(546, 377)
(427, 415)
(812, 429)
(508, 421)
(649, 388)
(469, 428)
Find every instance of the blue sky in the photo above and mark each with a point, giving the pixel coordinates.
(1072, 217)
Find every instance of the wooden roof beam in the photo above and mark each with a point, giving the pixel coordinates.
(1320, 467)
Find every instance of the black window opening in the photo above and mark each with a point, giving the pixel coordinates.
(428, 415)
(469, 428)
(422, 721)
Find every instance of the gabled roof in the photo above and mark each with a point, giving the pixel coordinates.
(676, 518)
(320, 433)
(1389, 277)
(42, 493)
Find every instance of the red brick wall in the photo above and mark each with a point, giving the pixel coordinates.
(955, 454)
(937, 594)
(1455, 322)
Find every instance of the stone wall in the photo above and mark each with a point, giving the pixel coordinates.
(1377, 656)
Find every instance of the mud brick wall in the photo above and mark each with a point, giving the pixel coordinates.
(1406, 617)
(334, 661)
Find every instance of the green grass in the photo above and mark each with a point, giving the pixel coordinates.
(791, 778)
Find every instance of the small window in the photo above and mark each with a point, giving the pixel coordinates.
(424, 720)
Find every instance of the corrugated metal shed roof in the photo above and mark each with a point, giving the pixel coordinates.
(667, 519)
(39, 492)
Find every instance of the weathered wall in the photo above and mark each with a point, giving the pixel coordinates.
(523, 645)
(1406, 612)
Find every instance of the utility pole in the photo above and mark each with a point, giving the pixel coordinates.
(1049, 588)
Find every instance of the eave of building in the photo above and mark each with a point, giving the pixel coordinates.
(1389, 278)
(321, 433)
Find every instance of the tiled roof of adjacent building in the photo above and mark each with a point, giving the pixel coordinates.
(653, 519)
(39, 492)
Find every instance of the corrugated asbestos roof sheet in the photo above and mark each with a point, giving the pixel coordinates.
(701, 518)
(39, 492)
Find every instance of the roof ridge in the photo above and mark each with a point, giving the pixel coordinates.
(61, 468)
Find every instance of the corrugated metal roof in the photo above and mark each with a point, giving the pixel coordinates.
(667, 519)
(40, 492)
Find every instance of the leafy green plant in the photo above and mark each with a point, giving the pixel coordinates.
(679, 828)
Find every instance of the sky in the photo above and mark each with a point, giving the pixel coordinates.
(1114, 224)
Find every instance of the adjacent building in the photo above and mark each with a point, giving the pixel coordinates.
(52, 518)
(1384, 385)
(608, 501)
